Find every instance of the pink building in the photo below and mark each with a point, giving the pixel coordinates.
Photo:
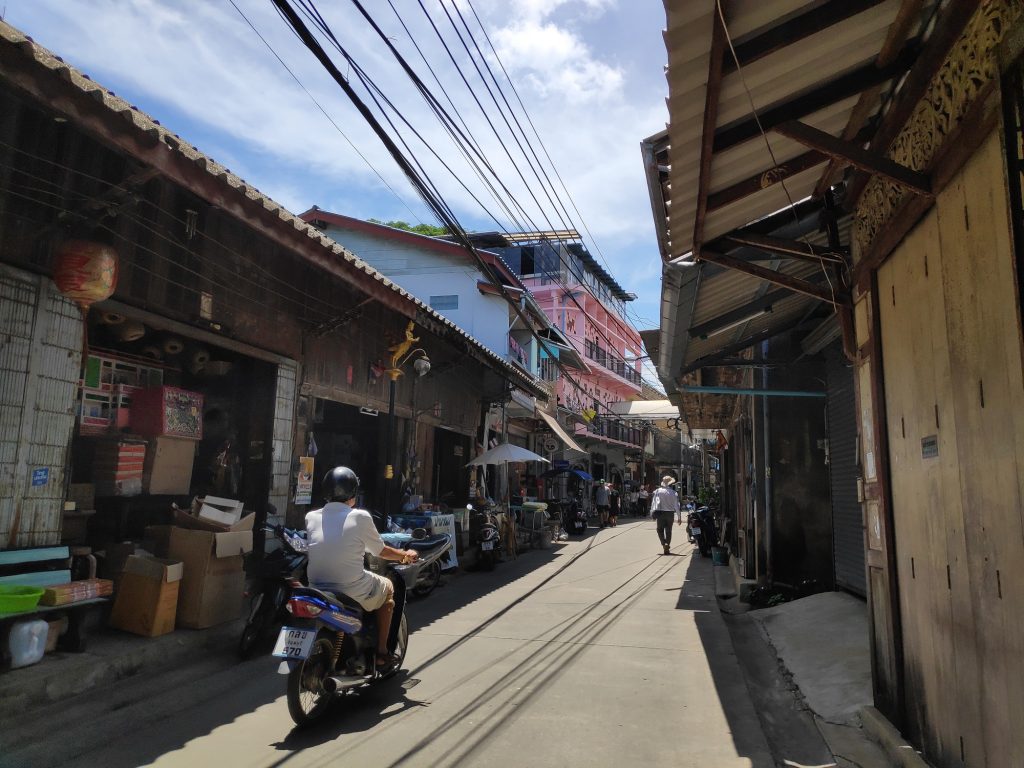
(588, 306)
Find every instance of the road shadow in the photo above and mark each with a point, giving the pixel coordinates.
(698, 597)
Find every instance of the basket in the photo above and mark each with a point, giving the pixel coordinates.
(719, 555)
(15, 599)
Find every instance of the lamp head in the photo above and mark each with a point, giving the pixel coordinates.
(421, 365)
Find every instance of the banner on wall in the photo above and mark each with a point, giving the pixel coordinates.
(304, 483)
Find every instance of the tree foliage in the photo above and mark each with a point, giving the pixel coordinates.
(419, 229)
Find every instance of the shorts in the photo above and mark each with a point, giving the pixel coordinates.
(382, 591)
(378, 590)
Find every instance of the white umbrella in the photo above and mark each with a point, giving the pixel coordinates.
(504, 453)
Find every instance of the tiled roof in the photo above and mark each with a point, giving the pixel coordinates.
(35, 55)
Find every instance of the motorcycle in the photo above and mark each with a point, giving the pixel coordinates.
(432, 550)
(701, 524)
(488, 537)
(575, 518)
(267, 602)
(328, 648)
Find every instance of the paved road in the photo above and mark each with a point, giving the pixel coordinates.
(601, 652)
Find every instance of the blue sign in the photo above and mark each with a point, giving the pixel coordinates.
(561, 464)
(41, 476)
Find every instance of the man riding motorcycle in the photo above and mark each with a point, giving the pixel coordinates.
(338, 537)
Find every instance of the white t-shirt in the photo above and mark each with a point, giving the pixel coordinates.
(338, 535)
(665, 499)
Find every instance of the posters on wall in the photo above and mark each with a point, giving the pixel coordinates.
(304, 484)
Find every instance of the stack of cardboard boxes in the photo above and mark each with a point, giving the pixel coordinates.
(197, 579)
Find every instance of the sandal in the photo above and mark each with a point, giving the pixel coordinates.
(386, 661)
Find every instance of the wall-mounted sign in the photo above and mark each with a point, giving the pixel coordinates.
(929, 447)
(41, 476)
(304, 483)
(550, 444)
(369, 411)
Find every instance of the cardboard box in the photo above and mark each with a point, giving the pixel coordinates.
(168, 466)
(147, 601)
(213, 582)
(224, 512)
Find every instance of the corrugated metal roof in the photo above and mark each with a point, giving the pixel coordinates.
(39, 56)
(773, 79)
(789, 68)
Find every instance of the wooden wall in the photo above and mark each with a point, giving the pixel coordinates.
(954, 399)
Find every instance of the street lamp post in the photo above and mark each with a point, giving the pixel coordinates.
(400, 355)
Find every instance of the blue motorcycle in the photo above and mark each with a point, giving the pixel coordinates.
(328, 648)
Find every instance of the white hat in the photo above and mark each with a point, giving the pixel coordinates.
(668, 480)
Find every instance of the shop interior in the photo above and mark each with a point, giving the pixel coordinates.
(163, 418)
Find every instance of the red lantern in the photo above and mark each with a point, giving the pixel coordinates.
(86, 272)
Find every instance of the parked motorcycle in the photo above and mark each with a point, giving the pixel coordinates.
(701, 524)
(432, 551)
(575, 518)
(329, 644)
(267, 601)
(488, 537)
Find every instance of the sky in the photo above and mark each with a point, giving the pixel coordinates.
(590, 73)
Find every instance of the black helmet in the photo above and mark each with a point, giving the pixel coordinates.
(340, 484)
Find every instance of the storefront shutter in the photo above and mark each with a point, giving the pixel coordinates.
(847, 517)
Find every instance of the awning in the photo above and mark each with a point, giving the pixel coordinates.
(651, 410)
(568, 471)
(562, 349)
(562, 434)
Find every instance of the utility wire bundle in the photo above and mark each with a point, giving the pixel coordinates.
(384, 118)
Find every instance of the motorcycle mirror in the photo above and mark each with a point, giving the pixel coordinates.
(469, 507)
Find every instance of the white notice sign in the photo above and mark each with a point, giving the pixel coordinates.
(445, 524)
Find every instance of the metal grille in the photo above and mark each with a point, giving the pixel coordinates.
(284, 411)
(847, 516)
(39, 366)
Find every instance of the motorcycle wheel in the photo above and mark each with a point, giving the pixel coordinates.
(400, 648)
(428, 579)
(307, 698)
(260, 617)
(487, 560)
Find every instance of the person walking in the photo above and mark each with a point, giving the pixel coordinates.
(615, 500)
(602, 500)
(665, 506)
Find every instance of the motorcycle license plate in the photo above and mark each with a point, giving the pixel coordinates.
(485, 545)
(695, 531)
(294, 643)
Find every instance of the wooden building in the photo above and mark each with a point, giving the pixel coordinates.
(895, 127)
(280, 332)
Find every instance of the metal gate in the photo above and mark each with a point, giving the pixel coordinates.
(847, 517)
(40, 359)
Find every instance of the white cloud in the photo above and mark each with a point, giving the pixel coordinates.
(199, 69)
(556, 63)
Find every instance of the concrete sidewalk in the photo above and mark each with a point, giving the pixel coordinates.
(110, 656)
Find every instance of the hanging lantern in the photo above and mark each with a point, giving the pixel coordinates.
(85, 272)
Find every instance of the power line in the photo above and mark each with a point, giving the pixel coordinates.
(424, 187)
(440, 113)
(324, 112)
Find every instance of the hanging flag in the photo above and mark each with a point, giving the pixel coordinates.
(588, 414)
(311, 449)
